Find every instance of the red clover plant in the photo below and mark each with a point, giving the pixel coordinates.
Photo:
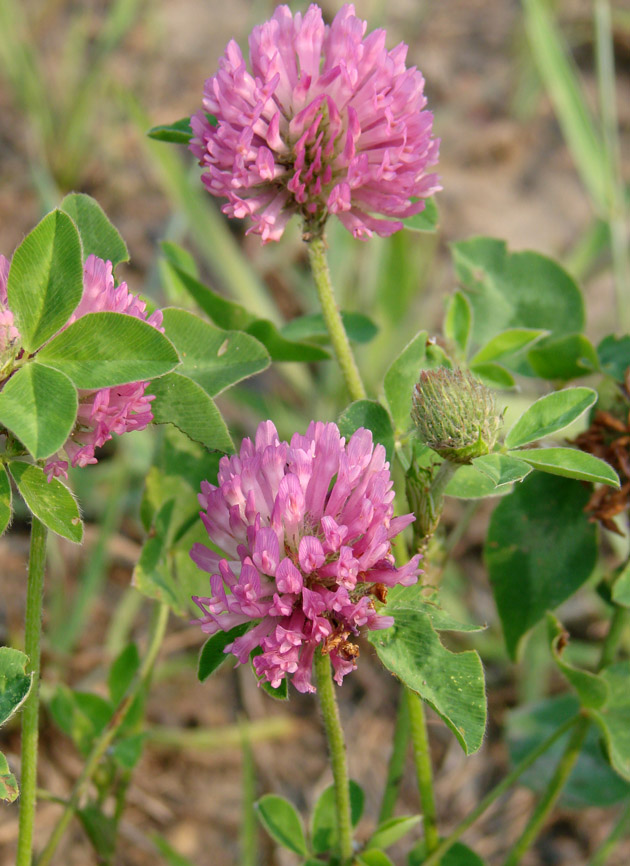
(308, 545)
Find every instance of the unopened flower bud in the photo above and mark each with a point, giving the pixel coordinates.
(455, 414)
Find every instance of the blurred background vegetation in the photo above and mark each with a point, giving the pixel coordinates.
(523, 103)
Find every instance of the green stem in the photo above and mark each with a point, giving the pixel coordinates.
(615, 191)
(332, 317)
(30, 712)
(459, 530)
(424, 771)
(553, 791)
(614, 837)
(498, 791)
(427, 499)
(617, 625)
(619, 620)
(396, 767)
(337, 747)
(120, 790)
(435, 497)
(158, 629)
(249, 825)
(49, 797)
(120, 798)
(440, 482)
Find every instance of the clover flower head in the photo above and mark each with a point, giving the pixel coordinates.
(328, 121)
(119, 409)
(307, 529)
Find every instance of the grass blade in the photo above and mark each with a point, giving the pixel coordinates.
(561, 80)
(617, 212)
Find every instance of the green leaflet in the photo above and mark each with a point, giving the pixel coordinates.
(458, 323)
(452, 683)
(15, 682)
(9, 790)
(324, 817)
(592, 782)
(570, 463)
(51, 502)
(39, 405)
(612, 718)
(539, 550)
(98, 235)
(184, 404)
(591, 688)
(426, 220)
(374, 417)
(6, 496)
(549, 414)
(282, 822)
(46, 279)
(101, 350)
(212, 653)
(401, 378)
(523, 290)
(213, 358)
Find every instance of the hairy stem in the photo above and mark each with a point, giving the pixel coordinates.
(158, 628)
(424, 771)
(332, 317)
(337, 748)
(396, 766)
(30, 712)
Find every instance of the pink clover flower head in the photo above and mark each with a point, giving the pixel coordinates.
(328, 121)
(104, 412)
(307, 528)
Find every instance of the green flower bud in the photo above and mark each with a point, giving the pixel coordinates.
(455, 414)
